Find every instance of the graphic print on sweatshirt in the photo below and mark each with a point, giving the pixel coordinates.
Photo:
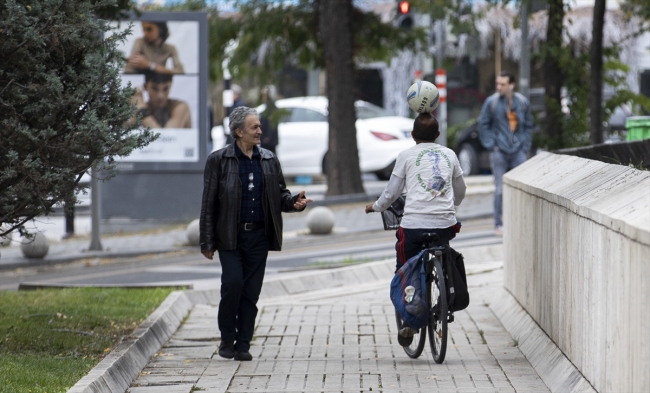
(434, 174)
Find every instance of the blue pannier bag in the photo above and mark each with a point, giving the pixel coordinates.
(415, 313)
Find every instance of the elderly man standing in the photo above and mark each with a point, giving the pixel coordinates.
(244, 195)
(505, 129)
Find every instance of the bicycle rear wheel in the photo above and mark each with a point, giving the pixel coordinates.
(438, 317)
(417, 345)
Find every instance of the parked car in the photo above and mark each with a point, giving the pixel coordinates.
(303, 137)
(473, 157)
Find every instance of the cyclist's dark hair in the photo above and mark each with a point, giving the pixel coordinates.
(509, 75)
(425, 128)
(156, 77)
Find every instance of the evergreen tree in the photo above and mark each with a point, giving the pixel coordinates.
(63, 109)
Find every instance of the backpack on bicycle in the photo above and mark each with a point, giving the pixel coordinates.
(416, 312)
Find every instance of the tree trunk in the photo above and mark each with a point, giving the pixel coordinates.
(553, 75)
(596, 96)
(342, 160)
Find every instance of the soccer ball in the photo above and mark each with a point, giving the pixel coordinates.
(423, 97)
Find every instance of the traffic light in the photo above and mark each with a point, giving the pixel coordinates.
(404, 16)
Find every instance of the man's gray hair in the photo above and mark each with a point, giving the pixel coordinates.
(238, 118)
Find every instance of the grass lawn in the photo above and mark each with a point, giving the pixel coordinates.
(51, 338)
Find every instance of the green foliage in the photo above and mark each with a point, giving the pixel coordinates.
(575, 126)
(458, 13)
(117, 9)
(615, 74)
(270, 35)
(637, 9)
(63, 107)
(51, 338)
(575, 64)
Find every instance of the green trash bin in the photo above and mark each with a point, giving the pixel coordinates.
(638, 127)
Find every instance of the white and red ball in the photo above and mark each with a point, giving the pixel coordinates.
(423, 97)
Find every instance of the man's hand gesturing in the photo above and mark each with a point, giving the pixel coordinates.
(301, 202)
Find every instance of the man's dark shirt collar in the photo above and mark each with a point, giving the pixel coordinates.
(239, 153)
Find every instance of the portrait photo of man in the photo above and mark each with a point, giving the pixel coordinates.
(161, 111)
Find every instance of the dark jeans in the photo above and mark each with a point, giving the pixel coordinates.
(501, 163)
(407, 245)
(241, 282)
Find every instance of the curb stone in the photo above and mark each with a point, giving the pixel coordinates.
(122, 365)
(555, 369)
(54, 260)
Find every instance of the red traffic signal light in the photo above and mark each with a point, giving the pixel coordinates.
(403, 7)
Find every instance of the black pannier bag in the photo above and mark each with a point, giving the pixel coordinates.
(457, 282)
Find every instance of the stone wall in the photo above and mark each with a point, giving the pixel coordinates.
(577, 258)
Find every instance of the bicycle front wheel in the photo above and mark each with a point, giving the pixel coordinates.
(438, 316)
(415, 348)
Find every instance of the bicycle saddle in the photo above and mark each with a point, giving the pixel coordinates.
(428, 238)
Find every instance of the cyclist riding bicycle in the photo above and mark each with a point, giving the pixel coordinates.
(433, 180)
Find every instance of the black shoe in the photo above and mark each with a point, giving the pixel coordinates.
(243, 355)
(404, 341)
(227, 349)
(405, 336)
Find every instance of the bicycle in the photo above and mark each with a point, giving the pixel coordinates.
(436, 296)
(436, 265)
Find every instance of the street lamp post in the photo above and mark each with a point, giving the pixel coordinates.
(95, 237)
(524, 63)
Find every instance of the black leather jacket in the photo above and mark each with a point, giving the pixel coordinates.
(220, 208)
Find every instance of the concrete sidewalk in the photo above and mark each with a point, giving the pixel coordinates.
(343, 339)
(326, 331)
(334, 330)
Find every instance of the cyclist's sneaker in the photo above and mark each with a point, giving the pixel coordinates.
(407, 331)
(405, 336)
(404, 341)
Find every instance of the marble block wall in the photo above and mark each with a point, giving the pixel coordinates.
(577, 258)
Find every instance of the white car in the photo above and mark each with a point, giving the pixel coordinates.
(303, 137)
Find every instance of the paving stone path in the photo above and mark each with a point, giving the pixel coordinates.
(343, 340)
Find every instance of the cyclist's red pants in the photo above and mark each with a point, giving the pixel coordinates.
(407, 245)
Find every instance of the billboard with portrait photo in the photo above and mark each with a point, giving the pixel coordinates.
(162, 64)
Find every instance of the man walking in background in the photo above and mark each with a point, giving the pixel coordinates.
(505, 129)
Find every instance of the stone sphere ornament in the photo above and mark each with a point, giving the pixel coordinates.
(37, 247)
(320, 220)
(192, 233)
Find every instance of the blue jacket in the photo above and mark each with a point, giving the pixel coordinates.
(494, 128)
